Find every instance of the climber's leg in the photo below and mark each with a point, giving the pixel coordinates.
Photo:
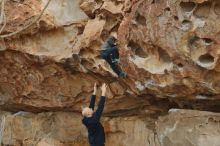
(111, 56)
(103, 54)
(114, 66)
(114, 54)
(115, 60)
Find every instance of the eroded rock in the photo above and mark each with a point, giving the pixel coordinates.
(183, 127)
(49, 129)
(169, 50)
(188, 128)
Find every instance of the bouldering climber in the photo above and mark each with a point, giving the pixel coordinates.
(91, 119)
(109, 52)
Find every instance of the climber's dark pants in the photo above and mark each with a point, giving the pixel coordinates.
(110, 55)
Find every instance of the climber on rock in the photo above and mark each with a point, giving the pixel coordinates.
(91, 119)
(109, 52)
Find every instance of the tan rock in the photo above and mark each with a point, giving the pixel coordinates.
(182, 127)
(116, 88)
(55, 44)
(65, 12)
(59, 129)
(111, 7)
(89, 7)
(92, 31)
(18, 14)
(49, 142)
(169, 50)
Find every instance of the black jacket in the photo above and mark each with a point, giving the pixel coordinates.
(109, 43)
(95, 129)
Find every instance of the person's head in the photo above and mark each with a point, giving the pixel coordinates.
(114, 34)
(87, 112)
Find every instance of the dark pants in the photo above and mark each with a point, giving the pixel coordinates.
(110, 55)
(98, 145)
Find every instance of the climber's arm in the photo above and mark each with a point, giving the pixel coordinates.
(100, 108)
(93, 97)
(101, 104)
(92, 102)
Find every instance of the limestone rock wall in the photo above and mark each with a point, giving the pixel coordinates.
(180, 127)
(188, 128)
(169, 49)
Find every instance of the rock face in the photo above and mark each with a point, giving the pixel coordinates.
(188, 128)
(168, 48)
(179, 128)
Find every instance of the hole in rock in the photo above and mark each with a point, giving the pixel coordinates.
(212, 120)
(206, 59)
(208, 41)
(193, 40)
(140, 19)
(42, 24)
(164, 55)
(216, 85)
(167, 9)
(98, 1)
(80, 30)
(203, 9)
(82, 52)
(186, 25)
(76, 58)
(176, 18)
(115, 28)
(187, 6)
(71, 64)
(217, 8)
(180, 65)
(165, 71)
(201, 126)
(118, 2)
(136, 48)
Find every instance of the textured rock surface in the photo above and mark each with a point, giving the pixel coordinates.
(188, 128)
(178, 48)
(169, 49)
(158, 51)
(179, 128)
